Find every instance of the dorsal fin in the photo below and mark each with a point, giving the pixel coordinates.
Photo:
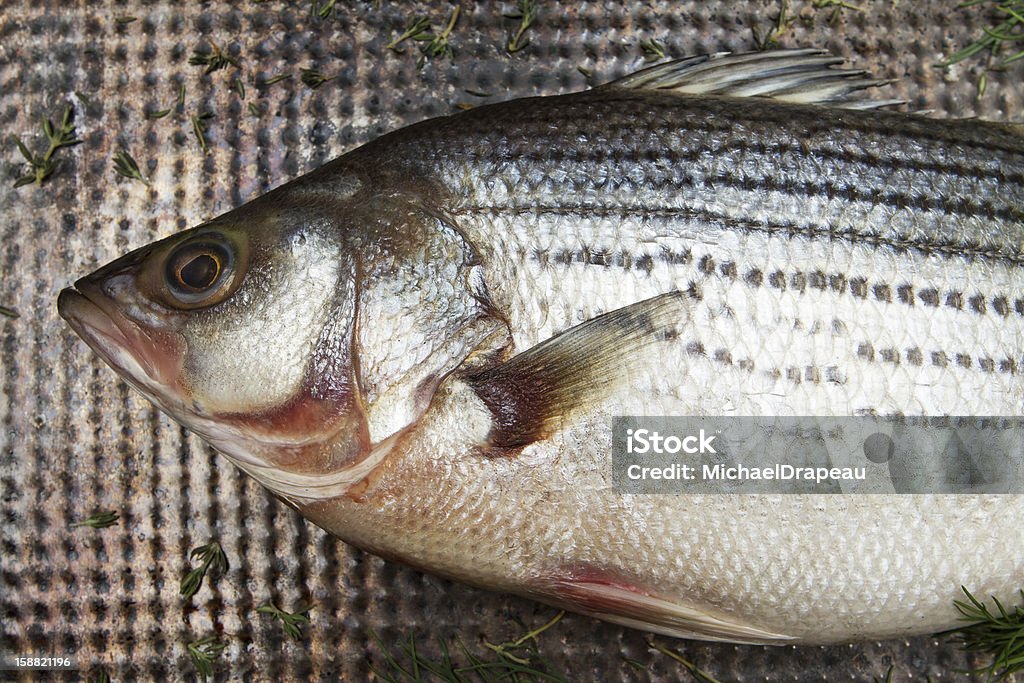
(803, 76)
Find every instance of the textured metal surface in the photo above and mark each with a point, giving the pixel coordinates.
(74, 439)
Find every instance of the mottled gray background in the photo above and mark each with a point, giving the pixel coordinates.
(75, 440)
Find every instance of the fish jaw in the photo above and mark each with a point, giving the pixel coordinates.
(149, 360)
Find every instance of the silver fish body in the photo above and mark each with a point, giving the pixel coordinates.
(478, 296)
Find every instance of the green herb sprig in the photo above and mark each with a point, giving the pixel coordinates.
(506, 649)
(211, 557)
(291, 622)
(694, 670)
(125, 165)
(782, 24)
(203, 652)
(526, 13)
(214, 59)
(58, 137)
(516, 660)
(275, 79)
(101, 676)
(313, 78)
(888, 675)
(1010, 30)
(415, 30)
(199, 128)
(99, 520)
(653, 50)
(437, 45)
(999, 634)
(838, 6)
(323, 10)
(9, 312)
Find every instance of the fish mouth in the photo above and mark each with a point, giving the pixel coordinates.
(138, 356)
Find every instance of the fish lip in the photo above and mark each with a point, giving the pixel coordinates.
(112, 335)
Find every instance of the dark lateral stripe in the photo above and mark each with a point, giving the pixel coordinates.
(857, 286)
(901, 244)
(873, 196)
(865, 351)
(707, 113)
(705, 146)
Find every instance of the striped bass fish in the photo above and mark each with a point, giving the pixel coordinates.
(421, 345)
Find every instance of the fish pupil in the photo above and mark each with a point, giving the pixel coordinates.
(199, 272)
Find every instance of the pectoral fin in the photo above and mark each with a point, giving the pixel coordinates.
(531, 392)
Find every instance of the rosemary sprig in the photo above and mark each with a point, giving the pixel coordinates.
(291, 622)
(324, 10)
(101, 676)
(996, 37)
(437, 44)
(694, 670)
(253, 109)
(1000, 635)
(199, 128)
(214, 59)
(525, 665)
(210, 556)
(506, 649)
(179, 100)
(275, 79)
(838, 6)
(43, 166)
(526, 13)
(238, 87)
(203, 652)
(888, 676)
(417, 28)
(313, 78)
(124, 20)
(99, 520)
(125, 165)
(8, 312)
(653, 50)
(782, 24)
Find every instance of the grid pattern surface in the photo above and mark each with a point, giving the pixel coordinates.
(74, 439)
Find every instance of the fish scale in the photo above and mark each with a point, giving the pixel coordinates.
(699, 194)
(855, 167)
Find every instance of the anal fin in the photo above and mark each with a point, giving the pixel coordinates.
(628, 605)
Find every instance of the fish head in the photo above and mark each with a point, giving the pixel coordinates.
(294, 334)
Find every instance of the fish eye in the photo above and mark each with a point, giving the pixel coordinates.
(197, 272)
